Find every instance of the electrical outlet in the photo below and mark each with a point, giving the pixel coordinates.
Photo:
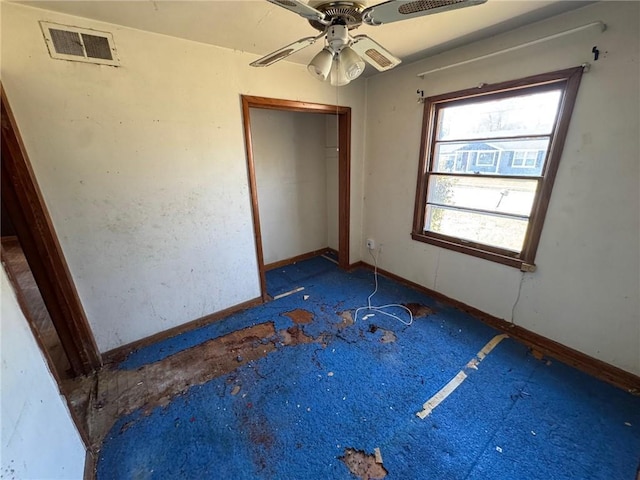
(371, 244)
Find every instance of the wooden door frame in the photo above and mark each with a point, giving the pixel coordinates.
(29, 214)
(344, 170)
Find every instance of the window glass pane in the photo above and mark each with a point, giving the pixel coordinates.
(532, 114)
(497, 231)
(524, 156)
(500, 195)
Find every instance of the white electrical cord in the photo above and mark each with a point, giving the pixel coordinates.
(381, 308)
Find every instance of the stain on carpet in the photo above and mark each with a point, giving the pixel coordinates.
(294, 336)
(299, 316)
(388, 336)
(363, 465)
(418, 310)
(262, 438)
(116, 393)
(347, 320)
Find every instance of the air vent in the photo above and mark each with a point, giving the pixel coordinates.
(423, 6)
(79, 44)
(378, 57)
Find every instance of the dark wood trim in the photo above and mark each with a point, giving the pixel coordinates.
(253, 191)
(344, 187)
(539, 211)
(583, 362)
(426, 139)
(26, 311)
(293, 105)
(470, 95)
(344, 171)
(28, 212)
(356, 265)
(118, 354)
(297, 258)
(332, 251)
(90, 465)
(471, 248)
(569, 80)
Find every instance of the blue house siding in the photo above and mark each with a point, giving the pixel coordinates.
(481, 157)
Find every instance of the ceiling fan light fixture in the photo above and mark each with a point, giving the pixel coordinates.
(352, 64)
(338, 76)
(320, 65)
(335, 18)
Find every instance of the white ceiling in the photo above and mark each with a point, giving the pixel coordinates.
(259, 27)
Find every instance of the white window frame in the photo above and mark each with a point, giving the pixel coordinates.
(517, 162)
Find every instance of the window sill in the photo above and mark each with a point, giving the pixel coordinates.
(475, 251)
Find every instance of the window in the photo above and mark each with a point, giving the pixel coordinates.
(525, 158)
(488, 159)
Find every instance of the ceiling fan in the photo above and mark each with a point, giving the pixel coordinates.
(343, 57)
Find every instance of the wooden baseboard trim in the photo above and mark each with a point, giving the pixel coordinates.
(297, 258)
(538, 343)
(90, 465)
(118, 354)
(361, 264)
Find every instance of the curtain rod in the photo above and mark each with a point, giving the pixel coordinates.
(599, 23)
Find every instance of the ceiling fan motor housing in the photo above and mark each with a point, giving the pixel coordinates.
(337, 37)
(339, 12)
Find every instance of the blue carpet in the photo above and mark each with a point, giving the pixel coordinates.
(284, 279)
(301, 406)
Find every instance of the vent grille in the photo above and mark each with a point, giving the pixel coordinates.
(97, 47)
(67, 43)
(79, 44)
(377, 57)
(422, 6)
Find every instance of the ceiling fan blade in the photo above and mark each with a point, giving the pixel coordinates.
(284, 52)
(301, 8)
(396, 10)
(374, 53)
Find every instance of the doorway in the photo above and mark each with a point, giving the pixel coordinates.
(36, 266)
(343, 129)
(30, 300)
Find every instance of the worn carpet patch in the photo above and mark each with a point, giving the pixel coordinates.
(314, 395)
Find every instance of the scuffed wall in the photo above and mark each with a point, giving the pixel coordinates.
(143, 168)
(584, 293)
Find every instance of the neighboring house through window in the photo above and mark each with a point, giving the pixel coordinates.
(525, 158)
(488, 159)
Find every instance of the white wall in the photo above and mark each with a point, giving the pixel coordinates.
(143, 168)
(585, 291)
(39, 439)
(291, 177)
